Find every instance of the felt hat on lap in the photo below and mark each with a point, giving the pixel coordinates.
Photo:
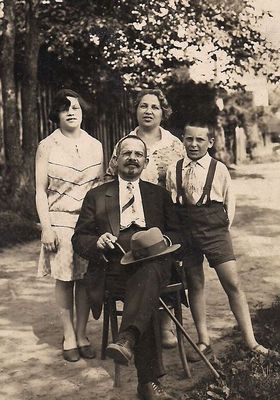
(148, 244)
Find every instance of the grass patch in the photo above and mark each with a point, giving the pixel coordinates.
(16, 229)
(245, 376)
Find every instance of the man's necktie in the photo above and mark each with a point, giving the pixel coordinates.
(192, 183)
(130, 196)
(128, 209)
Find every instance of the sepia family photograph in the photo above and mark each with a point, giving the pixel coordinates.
(139, 200)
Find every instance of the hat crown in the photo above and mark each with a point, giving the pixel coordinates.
(146, 245)
(144, 239)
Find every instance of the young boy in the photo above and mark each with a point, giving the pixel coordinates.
(201, 187)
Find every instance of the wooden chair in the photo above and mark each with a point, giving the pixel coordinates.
(110, 317)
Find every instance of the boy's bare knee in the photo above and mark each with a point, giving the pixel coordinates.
(233, 288)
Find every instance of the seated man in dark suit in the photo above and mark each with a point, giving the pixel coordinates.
(114, 212)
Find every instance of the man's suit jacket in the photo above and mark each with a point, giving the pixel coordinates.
(100, 213)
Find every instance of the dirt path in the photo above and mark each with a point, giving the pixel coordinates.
(31, 366)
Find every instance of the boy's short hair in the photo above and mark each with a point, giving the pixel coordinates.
(119, 144)
(61, 103)
(198, 124)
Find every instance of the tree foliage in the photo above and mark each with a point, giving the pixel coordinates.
(99, 46)
(144, 41)
(157, 37)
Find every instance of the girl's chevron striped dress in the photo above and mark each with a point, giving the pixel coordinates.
(74, 167)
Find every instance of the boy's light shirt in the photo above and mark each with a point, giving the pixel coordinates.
(221, 190)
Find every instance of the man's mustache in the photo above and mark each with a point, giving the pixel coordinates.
(135, 163)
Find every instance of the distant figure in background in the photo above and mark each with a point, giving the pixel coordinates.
(219, 148)
(69, 162)
(241, 141)
(254, 137)
(231, 124)
(152, 108)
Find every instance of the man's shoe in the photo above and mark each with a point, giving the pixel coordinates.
(152, 391)
(168, 339)
(121, 351)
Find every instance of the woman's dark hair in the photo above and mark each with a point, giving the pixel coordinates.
(166, 109)
(61, 103)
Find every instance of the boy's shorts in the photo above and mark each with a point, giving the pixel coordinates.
(217, 250)
(209, 238)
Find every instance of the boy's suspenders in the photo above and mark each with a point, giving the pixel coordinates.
(206, 189)
(208, 183)
(180, 190)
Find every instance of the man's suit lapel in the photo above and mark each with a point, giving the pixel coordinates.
(112, 207)
(149, 201)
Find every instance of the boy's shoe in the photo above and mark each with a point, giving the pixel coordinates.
(261, 350)
(152, 391)
(193, 356)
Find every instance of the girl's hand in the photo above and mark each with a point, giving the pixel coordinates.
(49, 240)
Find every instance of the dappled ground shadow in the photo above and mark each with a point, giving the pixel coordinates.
(32, 365)
(31, 360)
(31, 345)
(258, 221)
(30, 332)
(235, 175)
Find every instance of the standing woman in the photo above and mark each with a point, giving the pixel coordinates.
(163, 148)
(69, 162)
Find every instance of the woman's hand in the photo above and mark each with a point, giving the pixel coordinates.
(49, 240)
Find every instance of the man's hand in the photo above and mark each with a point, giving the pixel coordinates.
(106, 241)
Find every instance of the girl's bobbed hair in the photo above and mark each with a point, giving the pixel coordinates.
(61, 103)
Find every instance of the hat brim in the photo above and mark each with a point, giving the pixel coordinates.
(129, 259)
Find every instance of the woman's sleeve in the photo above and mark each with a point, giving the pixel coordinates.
(100, 172)
(111, 171)
(41, 178)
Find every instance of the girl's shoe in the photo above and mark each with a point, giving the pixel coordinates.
(87, 351)
(71, 355)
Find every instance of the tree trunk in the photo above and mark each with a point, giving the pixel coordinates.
(30, 124)
(12, 147)
(1, 127)
(219, 149)
(29, 94)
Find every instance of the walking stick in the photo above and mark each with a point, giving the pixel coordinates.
(178, 324)
(175, 320)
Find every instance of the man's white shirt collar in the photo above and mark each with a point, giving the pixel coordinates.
(123, 183)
